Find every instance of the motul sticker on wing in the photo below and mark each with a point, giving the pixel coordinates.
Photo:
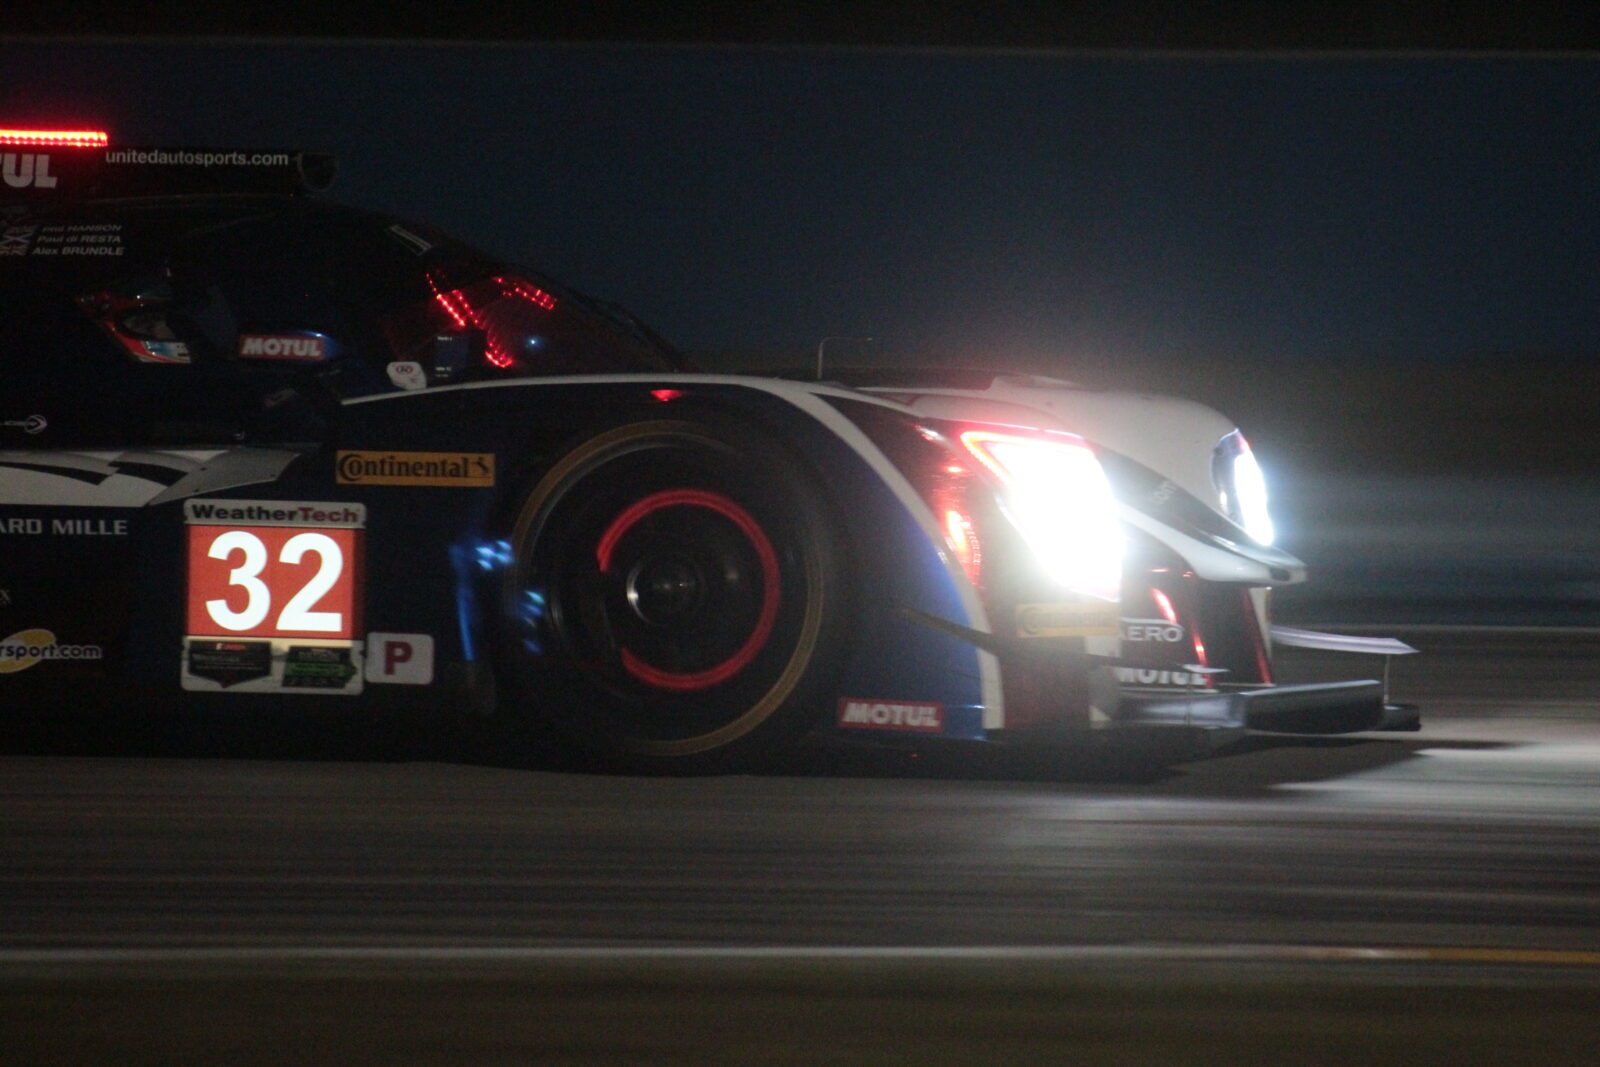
(890, 715)
(1072, 619)
(1151, 676)
(446, 469)
(294, 347)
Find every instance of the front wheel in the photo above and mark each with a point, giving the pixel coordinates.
(674, 602)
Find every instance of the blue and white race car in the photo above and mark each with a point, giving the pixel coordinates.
(261, 451)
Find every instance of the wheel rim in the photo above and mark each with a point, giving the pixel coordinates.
(607, 545)
(669, 586)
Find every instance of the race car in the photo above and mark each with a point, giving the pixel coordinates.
(1197, 634)
(262, 452)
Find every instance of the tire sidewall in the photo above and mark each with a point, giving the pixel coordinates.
(787, 499)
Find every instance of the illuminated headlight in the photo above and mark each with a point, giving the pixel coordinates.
(1241, 487)
(1059, 499)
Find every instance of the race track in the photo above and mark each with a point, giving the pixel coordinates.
(1384, 897)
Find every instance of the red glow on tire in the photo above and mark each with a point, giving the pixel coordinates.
(700, 498)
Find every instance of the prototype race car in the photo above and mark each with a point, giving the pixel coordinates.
(260, 451)
(1199, 561)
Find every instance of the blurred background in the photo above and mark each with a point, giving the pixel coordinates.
(1382, 263)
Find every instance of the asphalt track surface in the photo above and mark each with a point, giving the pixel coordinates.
(1416, 898)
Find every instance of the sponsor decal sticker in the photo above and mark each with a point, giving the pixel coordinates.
(302, 347)
(400, 659)
(182, 157)
(447, 469)
(317, 667)
(1073, 619)
(230, 663)
(916, 717)
(302, 667)
(1152, 676)
(1152, 630)
(25, 648)
(407, 374)
(15, 240)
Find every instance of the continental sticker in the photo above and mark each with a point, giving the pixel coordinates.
(1077, 619)
(25, 648)
(445, 469)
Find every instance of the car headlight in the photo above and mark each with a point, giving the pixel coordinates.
(1059, 499)
(1241, 487)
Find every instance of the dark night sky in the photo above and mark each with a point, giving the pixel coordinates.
(1021, 206)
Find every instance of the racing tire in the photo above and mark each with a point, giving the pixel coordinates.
(675, 598)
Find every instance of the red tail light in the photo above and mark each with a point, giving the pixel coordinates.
(54, 138)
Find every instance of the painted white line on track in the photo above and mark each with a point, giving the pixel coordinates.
(22, 957)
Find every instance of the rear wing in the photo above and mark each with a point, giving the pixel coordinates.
(59, 165)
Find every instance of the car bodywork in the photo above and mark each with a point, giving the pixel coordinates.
(1197, 634)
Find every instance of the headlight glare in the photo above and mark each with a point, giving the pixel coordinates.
(1059, 499)
(1242, 488)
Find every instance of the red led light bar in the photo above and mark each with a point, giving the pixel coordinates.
(55, 138)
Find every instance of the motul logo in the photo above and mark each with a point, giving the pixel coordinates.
(22, 169)
(1151, 676)
(879, 715)
(283, 346)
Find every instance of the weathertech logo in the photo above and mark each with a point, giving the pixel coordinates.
(881, 715)
(416, 468)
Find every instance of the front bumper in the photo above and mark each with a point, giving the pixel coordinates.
(1322, 708)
